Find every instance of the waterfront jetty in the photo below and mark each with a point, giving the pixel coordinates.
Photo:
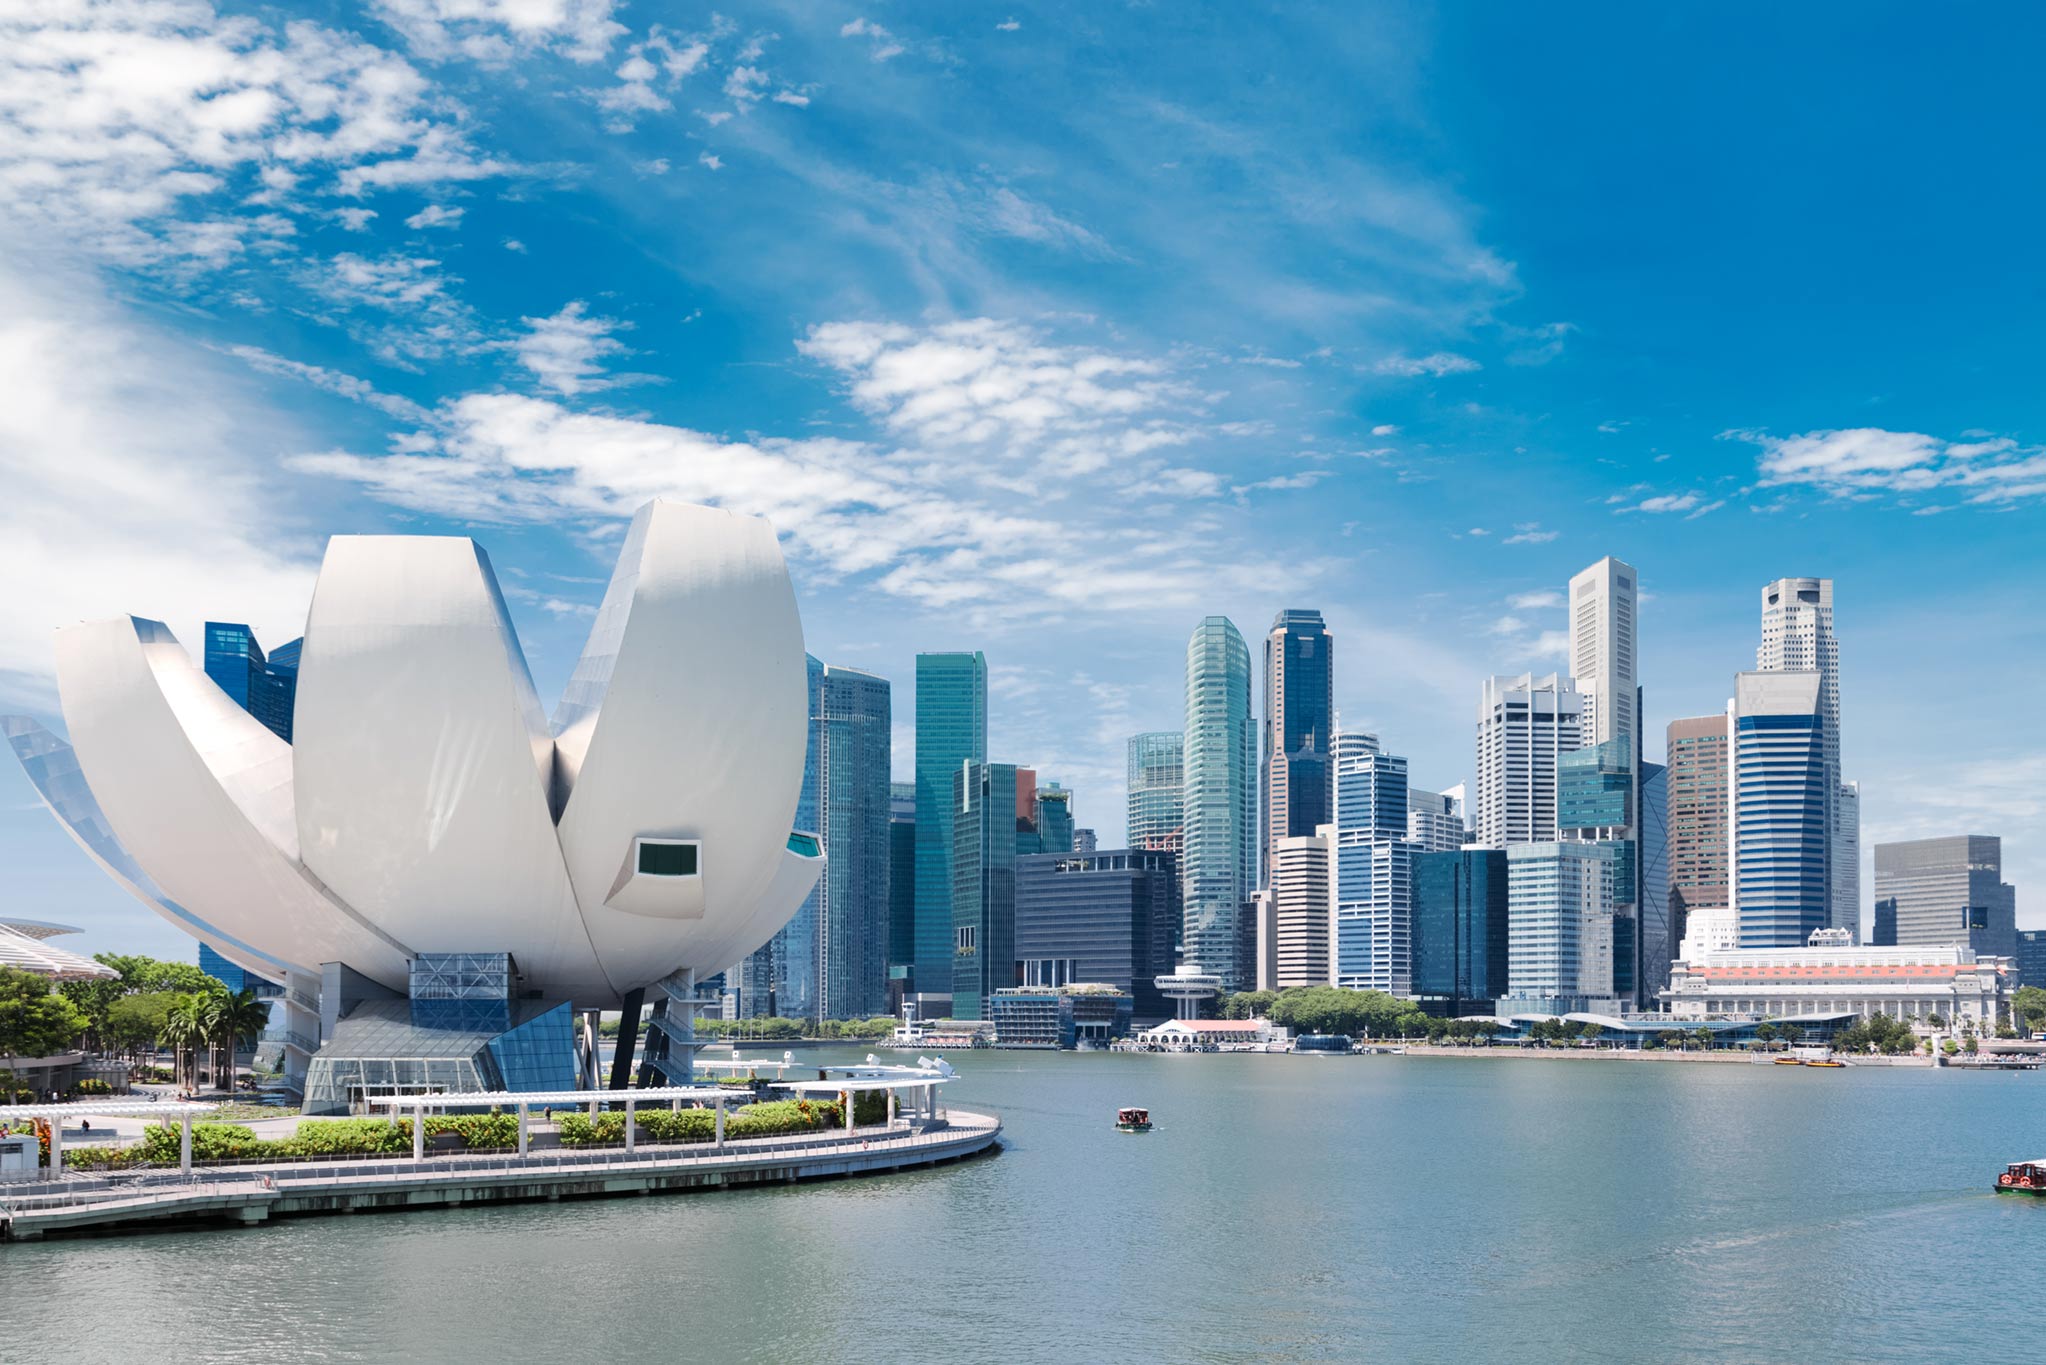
(918, 1131)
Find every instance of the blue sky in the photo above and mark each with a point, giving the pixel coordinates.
(1047, 331)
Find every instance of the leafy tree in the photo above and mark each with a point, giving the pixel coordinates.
(133, 1022)
(34, 1020)
(2029, 1007)
(184, 1029)
(1704, 1037)
(237, 1018)
(1248, 1004)
(1766, 1032)
(1593, 1032)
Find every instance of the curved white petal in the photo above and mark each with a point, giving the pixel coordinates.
(686, 719)
(422, 761)
(52, 766)
(199, 792)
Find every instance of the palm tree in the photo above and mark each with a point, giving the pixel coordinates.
(184, 1027)
(236, 1018)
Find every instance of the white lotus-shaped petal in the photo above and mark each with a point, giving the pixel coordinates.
(420, 757)
(686, 720)
(200, 794)
(426, 808)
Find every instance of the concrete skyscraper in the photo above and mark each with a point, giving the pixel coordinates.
(1157, 791)
(1797, 635)
(1603, 606)
(1698, 844)
(951, 731)
(1300, 912)
(1777, 811)
(1525, 724)
(1221, 799)
(1299, 725)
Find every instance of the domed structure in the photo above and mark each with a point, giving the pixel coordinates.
(426, 821)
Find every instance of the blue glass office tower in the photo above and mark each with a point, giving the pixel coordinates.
(1780, 812)
(780, 977)
(273, 690)
(901, 887)
(853, 722)
(1659, 934)
(232, 655)
(1299, 728)
(1373, 868)
(1054, 819)
(1460, 938)
(951, 731)
(1221, 802)
(266, 688)
(223, 971)
(983, 885)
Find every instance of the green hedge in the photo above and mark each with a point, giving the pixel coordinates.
(326, 1138)
(700, 1125)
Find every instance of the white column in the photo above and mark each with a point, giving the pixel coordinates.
(522, 1130)
(850, 1095)
(185, 1147)
(628, 1125)
(721, 1123)
(57, 1147)
(419, 1133)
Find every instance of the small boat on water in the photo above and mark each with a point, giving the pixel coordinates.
(1825, 1061)
(1133, 1120)
(1790, 1061)
(2023, 1177)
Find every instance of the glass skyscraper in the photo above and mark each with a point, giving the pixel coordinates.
(1107, 918)
(951, 731)
(1780, 810)
(901, 883)
(1373, 867)
(1157, 790)
(1221, 800)
(983, 885)
(1459, 923)
(266, 688)
(853, 721)
(1299, 726)
(780, 977)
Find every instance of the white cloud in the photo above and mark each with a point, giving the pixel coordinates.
(513, 244)
(1306, 478)
(1530, 533)
(492, 31)
(883, 44)
(400, 306)
(1439, 364)
(1530, 601)
(1008, 25)
(355, 220)
(652, 68)
(1385, 429)
(710, 160)
(435, 215)
(1665, 502)
(155, 130)
(1014, 215)
(135, 481)
(333, 381)
(793, 97)
(564, 352)
(746, 84)
(1865, 462)
(977, 411)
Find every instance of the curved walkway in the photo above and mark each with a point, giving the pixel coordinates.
(257, 1192)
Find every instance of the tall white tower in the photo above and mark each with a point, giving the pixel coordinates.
(1797, 636)
(1524, 725)
(1603, 605)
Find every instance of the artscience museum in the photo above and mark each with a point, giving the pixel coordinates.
(444, 886)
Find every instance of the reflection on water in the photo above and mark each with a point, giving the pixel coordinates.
(1293, 1208)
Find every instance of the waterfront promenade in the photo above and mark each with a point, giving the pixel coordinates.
(258, 1192)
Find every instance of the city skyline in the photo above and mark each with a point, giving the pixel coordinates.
(1415, 388)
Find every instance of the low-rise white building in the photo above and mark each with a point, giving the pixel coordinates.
(1909, 982)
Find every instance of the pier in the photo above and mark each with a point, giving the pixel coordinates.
(257, 1193)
